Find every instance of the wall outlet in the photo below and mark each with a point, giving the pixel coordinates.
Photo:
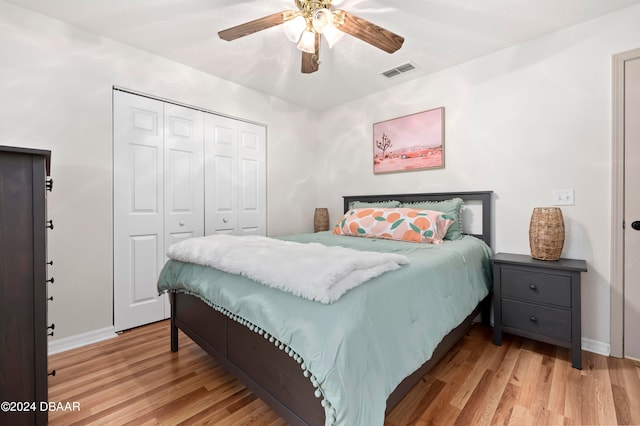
(563, 197)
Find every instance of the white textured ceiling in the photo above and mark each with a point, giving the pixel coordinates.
(438, 34)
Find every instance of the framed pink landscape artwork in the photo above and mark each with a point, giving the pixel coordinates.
(412, 142)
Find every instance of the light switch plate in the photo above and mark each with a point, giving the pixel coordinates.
(563, 197)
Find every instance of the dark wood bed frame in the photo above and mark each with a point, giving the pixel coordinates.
(268, 371)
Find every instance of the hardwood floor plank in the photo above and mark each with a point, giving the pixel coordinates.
(521, 416)
(135, 379)
(540, 395)
(446, 417)
(544, 417)
(558, 389)
(530, 378)
(409, 410)
(574, 396)
(622, 405)
(507, 348)
(632, 384)
(442, 402)
(521, 367)
(474, 377)
(496, 389)
(452, 363)
(474, 408)
(505, 406)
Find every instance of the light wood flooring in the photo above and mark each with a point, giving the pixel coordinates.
(135, 379)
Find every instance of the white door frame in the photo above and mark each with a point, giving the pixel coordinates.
(617, 203)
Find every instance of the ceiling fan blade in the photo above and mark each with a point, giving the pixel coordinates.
(311, 61)
(369, 32)
(254, 26)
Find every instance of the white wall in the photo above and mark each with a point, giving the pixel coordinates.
(519, 122)
(55, 93)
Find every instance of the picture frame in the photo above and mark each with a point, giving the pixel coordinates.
(411, 142)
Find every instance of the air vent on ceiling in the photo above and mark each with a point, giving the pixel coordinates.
(400, 69)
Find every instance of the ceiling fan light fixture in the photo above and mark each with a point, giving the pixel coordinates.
(307, 42)
(294, 28)
(322, 19)
(332, 35)
(312, 20)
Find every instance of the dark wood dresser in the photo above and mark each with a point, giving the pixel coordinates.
(23, 285)
(538, 299)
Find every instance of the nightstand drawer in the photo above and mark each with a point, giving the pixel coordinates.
(537, 319)
(537, 287)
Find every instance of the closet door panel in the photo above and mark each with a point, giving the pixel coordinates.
(249, 208)
(144, 182)
(138, 203)
(144, 264)
(221, 167)
(251, 179)
(183, 171)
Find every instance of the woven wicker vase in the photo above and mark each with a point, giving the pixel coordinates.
(546, 233)
(321, 220)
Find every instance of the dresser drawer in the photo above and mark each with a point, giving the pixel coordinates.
(537, 287)
(546, 321)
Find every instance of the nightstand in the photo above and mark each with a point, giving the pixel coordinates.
(538, 299)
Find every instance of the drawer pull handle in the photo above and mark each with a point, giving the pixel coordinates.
(533, 319)
(533, 287)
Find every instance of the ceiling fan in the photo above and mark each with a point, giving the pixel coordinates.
(312, 20)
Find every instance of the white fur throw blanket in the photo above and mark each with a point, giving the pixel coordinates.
(311, 270)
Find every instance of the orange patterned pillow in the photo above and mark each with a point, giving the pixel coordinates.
(424, 226)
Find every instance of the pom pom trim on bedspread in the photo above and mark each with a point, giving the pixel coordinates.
(330, 412)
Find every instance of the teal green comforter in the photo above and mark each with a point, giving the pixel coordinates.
(358, 349)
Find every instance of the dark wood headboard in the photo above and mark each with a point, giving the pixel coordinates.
(484, 197)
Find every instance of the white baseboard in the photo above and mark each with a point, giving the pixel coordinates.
(596, 347)
(79, 340)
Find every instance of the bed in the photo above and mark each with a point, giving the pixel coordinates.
(265, 344)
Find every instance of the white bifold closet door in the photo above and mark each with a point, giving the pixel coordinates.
(158, 198)
(235, 170)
